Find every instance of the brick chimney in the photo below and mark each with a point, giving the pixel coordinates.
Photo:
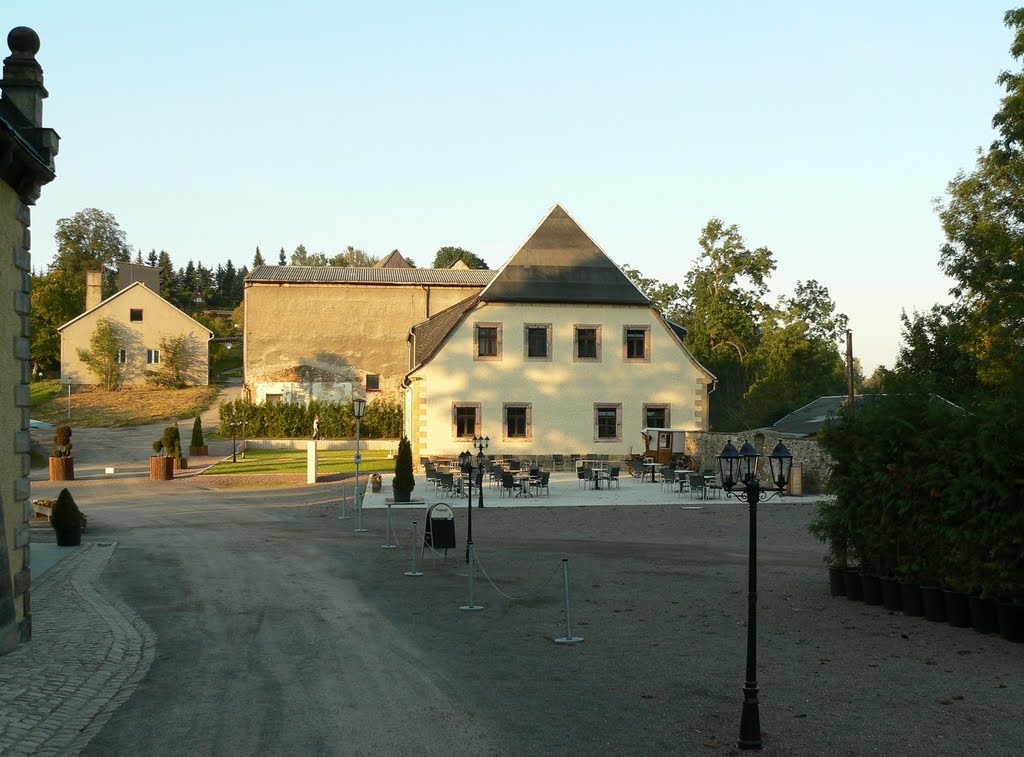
(93, 289)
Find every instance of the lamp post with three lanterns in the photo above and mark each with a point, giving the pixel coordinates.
(738, 469)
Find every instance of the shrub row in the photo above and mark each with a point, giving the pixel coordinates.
(382, 420)
(928, 493)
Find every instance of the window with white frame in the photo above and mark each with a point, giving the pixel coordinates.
(122, 356)
(152, 357)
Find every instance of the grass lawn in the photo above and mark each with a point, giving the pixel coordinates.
(43, 391)
(95, 408)
(262, 461)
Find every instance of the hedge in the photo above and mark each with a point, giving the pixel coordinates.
(382, 420)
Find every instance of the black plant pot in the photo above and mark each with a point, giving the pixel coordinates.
(872, 586)
(836, 583)
(958, 608)
(69, 538)
(1011, 621)
(934, 604)
(891, 594)
(910, 598)
(854, 585)
(402, 495)
(983, 615)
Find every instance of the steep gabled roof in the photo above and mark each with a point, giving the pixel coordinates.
(431, 333)
(561, 263)
(128, 288)
(393, 259)
(307, 274)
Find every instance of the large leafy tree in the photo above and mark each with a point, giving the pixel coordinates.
(797, 359)
(446, 256)
(669, 299)
(353, 256)
(90, 240)
(983, 219)
(724, 307)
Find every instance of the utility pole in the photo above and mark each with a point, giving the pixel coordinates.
(849, 368)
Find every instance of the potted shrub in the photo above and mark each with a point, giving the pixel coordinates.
(830, 527)
(172, 443)
(67, 520)
(161, 465)
(375, 481)
(62, 464)
(404, 481)
(198, 446)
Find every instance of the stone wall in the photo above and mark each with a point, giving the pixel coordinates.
(705, 447)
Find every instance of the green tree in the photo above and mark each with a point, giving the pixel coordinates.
(168, 283)
(669, 299)
(179, 362)
(257, 259)
(54, 303)
(352, 256)
(104, 355)
(152, 259)
(446, 256)
(724, 308)
(983, 219)
(281, 259)
(90, 240)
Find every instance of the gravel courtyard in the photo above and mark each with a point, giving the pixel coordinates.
(659, 594)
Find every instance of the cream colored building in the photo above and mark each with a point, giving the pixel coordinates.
(143, 320)
(28, 152)
(328, 333)
(559, 354)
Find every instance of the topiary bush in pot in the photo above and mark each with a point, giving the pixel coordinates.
(404, 481)
(198, 446)
(62, 464)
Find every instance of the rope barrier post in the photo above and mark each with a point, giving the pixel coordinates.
(568, 638)
(359, 529)
(414, 570)
(471, 603)
(391, 532)
(344, 501)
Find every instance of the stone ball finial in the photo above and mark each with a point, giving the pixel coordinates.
(23, 41)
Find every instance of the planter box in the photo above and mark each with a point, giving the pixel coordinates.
(872, 589)
(203, 451)
(934, 604)
(911, 599)
(854, 586)
(180, 463)
(983, 615)
(161, 468)
(1011, 622)
(62, 469)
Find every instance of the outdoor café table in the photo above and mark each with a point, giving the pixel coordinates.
(651, 468)
(524, 484)
(599, 475)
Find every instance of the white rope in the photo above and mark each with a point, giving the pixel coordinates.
(525, 596)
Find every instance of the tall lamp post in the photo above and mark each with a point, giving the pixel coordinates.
(466, 464)
(739, 479)
(358, 408)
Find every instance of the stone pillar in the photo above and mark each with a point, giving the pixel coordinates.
(28, 150)
(312, 450)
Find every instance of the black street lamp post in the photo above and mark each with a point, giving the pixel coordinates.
(739, 479)
(466, 464)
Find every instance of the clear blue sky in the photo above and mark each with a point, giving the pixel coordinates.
(823, 130)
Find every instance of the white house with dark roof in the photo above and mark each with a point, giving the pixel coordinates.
(560, 353)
